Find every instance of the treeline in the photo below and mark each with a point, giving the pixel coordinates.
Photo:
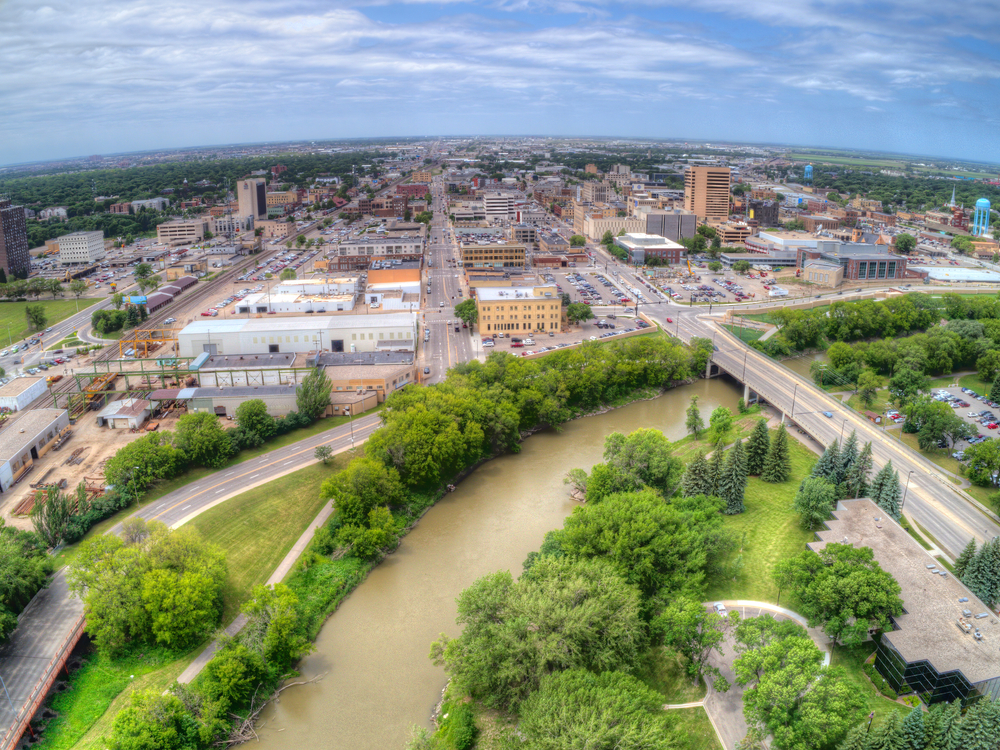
(26, 568)
(914, 193)
(89, 217)
(941, 727)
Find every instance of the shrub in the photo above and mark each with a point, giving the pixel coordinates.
(460, 726)
(878, 681)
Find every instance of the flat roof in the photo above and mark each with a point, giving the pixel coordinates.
(129, 407)
(497, 293)
(17, 386)
(930, 628)
(13, 441)
(239, 391)
(297, 323)
(248, 361)
(352, 359)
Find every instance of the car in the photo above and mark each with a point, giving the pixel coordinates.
(670, 320)
(47, 330)
(170, 320)
(441, 304)
(828, 414)
(427, 371)
(992, 426)
(720, 608)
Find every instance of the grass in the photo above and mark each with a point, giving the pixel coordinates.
(665, 671)
(13, 320)
(939, 456)
(258, 528)
(851, 658)
(770, 531)
(694, 729)
(879, 406)
(913, 532)
(743, 333)
(71, 340)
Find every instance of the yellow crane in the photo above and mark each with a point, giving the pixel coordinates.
(688, 259)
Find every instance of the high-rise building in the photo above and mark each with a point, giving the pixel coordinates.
(252, 195)
(14, 257)
(706, 192)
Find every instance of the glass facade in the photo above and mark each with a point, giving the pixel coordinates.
(920, 677)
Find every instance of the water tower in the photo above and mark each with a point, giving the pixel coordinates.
(981, 219)
(808, 176)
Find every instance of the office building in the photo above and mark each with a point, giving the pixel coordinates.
(422, 176)
(619, 174)
(78, 248)
(675, 224)
(706, 192)
(591, 169)
(282, 198)
(525, 310)
(764, 213)
(943, 646)
(14, 257)
(485, 254)
(860, 261)
(181, 231)
(643, 248)
(594, 191)
(120, 208)
(594, 227)
(150, 204)
(252, 197)
(498, 206)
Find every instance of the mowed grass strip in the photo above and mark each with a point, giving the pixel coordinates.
(258, 527)
(695, 730)
(12, 315)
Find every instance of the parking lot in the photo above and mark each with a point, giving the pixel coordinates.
(976, 409)
(526, 344)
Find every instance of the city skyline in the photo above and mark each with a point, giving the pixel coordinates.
(84, 79)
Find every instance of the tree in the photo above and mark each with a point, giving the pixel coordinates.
(153, 721)
(828, 465)
(715, 266)
(843, 589)
(608, 238)
(50, 514)
(733, 482)
(884, 490)
(77, 287)
(869, 384)
(287, 274)
(577, 240)
(467, 311)
(577, 312)
(36, 317)
(814, 501)
(692, 631)
(694, 422)
(365, 484)
(715, 468)
(645, 456)
(313, 395)
(579, 709)
(857, 476)
(252, 419)
(981, 574)
(697, 479)
(962, 563)
(984, 463)
(323, 453)
(142, 271)
(778, 464)
(54, 287)
(273, 628)
(906, 385)
(117, 300)
(367, 541)
(741, 266)
(905, 243)
(584, 605)
(720, 424)
(995, 388)
(988, 365)
(204, 442)
(757, 447)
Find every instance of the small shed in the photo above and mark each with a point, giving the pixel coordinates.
(876, 418)
(129, 413)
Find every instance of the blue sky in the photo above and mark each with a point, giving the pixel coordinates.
(89, 76)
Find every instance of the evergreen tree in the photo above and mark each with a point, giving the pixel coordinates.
(889, 734)
(697, 479)
(733, 482)
(889, 499)
(913, 729)
(828, 466)
(778, 464)
(878, 483)
(951, 728)
(715, 468)
(857, 475)
(848, 455)
(978, 574)
(694, 422)
(995, 389)
(980, 726)
(962, 563)
(857, 739)
(757, 446)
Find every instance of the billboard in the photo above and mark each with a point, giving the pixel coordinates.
(137, 300)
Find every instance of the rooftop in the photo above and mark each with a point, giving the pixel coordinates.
(128, 407)
(248, 361)
(338, 359)
(496, 293)
(24, 427)
(930, 627)
(17, 386)
(272, 324)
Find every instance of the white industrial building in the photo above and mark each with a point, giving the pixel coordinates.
(320, 285)
(26, 438)
(293, 302)
(81, 247)
(337, 333)
(19, 392)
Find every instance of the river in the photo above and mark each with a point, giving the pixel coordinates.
(373, 651)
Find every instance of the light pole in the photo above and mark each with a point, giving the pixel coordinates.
(791, 414)
(842, 430)
(350, 421)
(903, 501)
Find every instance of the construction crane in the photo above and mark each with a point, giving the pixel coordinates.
(688, 259)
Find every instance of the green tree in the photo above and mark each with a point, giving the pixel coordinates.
(697, 479)
(367, 541)
(646, 456)
(694, 423)
(778, 464)
(323, 453)
(869, 384)
(884, 490)
(814, 501)
(608, 238)
(153, 721)
(715, 467)
(857, 475)
(981, 573)
(715, 266)
(962, 563)
(467, 311)
(995, 388)
(741, 266)
(36, 317)
(365, 484)
(988, 365)
(906, 385)
(692, 631)
(828, 465)
(287, 274)
(577, 240)
(313, 395)
(579, 709)
(252, 418)
(50, 514)
(757, 447)
(905, 243)
(204, 442)
(77, 287)
(142, 271)
(733, 482)
(583, 605)
(273, 628)
(577, 312)
(720, 424)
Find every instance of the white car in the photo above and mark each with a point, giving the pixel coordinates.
(170, 320)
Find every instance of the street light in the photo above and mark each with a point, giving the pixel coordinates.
(351, 422)
(903, 501)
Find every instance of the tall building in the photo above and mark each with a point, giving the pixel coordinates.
(252, 195)
(78, 247)
(706, 192)
(674, 224)
(595, 192)
(981, 220)
(14, 257)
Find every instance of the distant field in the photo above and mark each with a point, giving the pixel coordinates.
(845, 160)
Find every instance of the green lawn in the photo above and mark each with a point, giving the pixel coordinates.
(879, 406)
(665, 671)
(695, 730)
(66, 342)
(851, 658)
(743, 333)
(259, 527)
(770, 531)
(15, 326)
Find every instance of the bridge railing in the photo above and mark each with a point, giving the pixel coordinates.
(34, 700)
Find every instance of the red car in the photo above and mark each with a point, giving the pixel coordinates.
(670, 320)
(992, 426)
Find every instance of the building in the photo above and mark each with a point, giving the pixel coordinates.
(181, 231)
(271, 229)
(706, 192)
(619, 174)
(818, 223)
(773, 258)
(228, 225)
(771, 240)
(642, 248)
(486, 254)
(152, 204)
(358, 253)
(387, 207)
(20, 392)
(15, 259)
(281, 199)
(591, 169)
(296, 303)
(412, 191)
(553, 244)
(252, 197)
(866, 204)
(379, 372)
(422, 176)
(524, 234)
(594, 191)
(56, 212)
(823, 273)
(498, 206)
(27, 437)
(943, 646)
(126, 414)
(77, 248)
(363, 333)
(765, 213)
(981, 220)
(120, 208)
(527, 310)
(731, 232)
(594, 228)
(674, 224)
(859, 261)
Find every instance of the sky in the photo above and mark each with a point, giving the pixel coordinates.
(80, 77)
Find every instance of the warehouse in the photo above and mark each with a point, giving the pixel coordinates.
(350, 333)
(126, 414)
(19, 392)
(26, 438)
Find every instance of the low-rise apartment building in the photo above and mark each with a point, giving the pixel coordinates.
(519, 309)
